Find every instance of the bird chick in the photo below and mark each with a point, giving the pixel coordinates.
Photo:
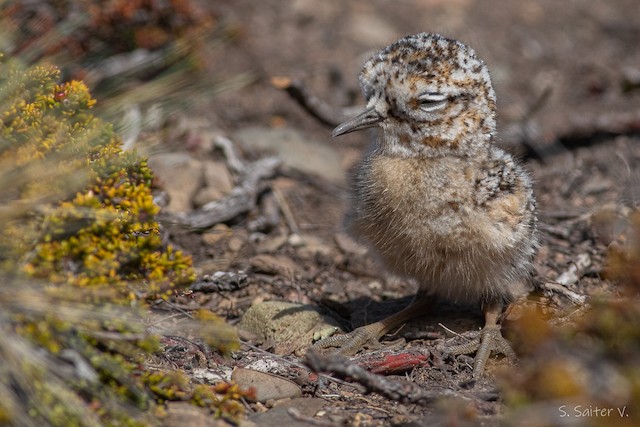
(434, 200)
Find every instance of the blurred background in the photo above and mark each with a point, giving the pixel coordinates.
(583, 53)
(555, 65)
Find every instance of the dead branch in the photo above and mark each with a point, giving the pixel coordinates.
(231, 153)
(586, 132)
(561, 232)
(405, 392)
(317, 108)
(241, 199)
(570, 277)
(286, 211)
(574, 297)
(285, 361)
(575, 270)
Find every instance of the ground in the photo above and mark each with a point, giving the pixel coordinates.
(567, 80)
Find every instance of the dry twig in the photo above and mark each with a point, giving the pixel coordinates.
(405, 392)
(318, 109)
(241, 199)
(295, 364)
(231, 153)
(575, 270)
(286, 211)
(574, 297)
(569, 277)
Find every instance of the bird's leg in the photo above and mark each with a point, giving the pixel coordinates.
(369, 335)
(489, 339)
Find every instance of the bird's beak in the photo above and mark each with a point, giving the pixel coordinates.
(368, 118)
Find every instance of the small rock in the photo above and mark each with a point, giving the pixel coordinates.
(267, 365)
(220, 281)
(180, 176)
(218, 183)
(211, 376)
(297, 150)
(206, 195)
(267, 386)
(291, 327)
(216, 175)
(235, 244)
(295, 240)
(184, 413)
(274, 264)
(218, 232)
(271, 244)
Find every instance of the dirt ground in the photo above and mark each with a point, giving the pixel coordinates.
(567, 77)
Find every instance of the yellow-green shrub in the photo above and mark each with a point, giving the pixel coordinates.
(106, 234)
(78, 240)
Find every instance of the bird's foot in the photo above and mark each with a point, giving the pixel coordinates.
(350, 343)
(488, 339)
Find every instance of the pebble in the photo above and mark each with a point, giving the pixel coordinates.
(186, 414)
(216, 175)
(295, 240)
(217, 233)
(235, 244)
(206, 195)
(271, 244)
(274, 264)
(180, 175)
(289, 326)
(267, 386)
(314, 246)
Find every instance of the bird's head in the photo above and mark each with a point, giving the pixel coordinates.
(432, 96)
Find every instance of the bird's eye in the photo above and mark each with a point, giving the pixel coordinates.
(432, 101)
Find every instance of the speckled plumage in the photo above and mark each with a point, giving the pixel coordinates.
(434, 199)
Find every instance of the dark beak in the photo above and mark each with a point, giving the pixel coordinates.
(366, 119)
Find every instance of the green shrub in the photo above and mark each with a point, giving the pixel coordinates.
(104, 235)
(79, 247)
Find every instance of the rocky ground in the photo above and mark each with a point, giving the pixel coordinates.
(265, 232)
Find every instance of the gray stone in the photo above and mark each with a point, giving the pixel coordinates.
(218, 183)
(206, 195)
(267, 386)
(180, 176)
(216, 175)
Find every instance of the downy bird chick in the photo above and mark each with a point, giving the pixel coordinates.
(435, 200)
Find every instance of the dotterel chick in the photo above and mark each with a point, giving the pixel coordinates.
(435, 200)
